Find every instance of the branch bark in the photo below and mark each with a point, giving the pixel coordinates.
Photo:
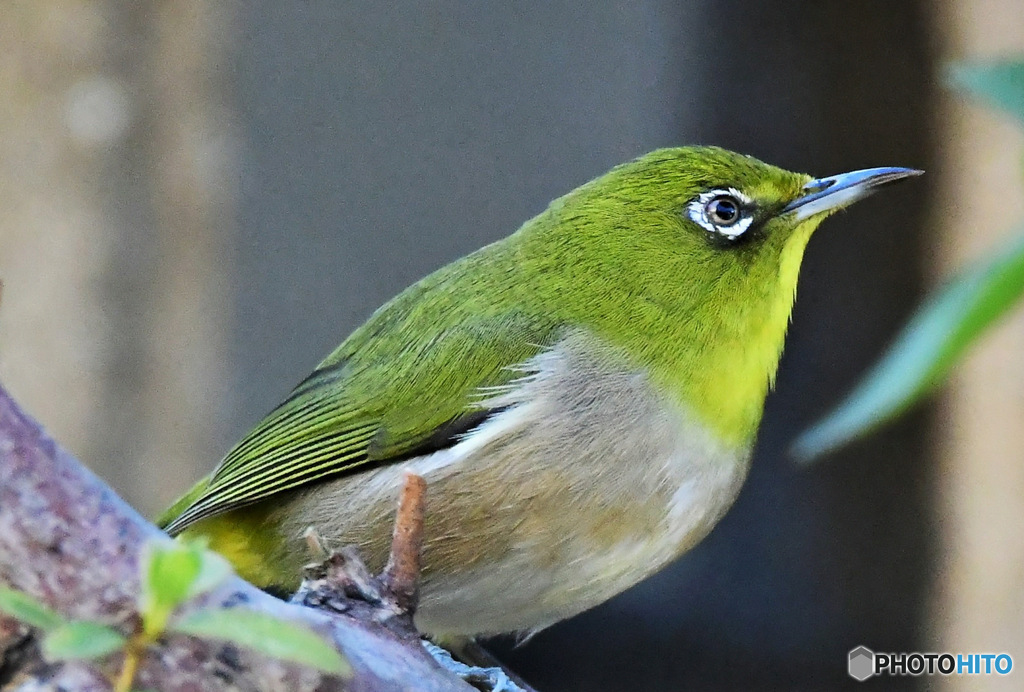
(69, 541)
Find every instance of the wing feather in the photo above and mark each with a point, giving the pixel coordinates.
(382, 395)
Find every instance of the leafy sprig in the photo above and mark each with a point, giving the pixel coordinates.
(171, 575)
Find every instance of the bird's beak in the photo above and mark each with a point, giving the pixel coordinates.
(838, 191)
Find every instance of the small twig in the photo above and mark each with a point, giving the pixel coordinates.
(340, 582)
(349, 569)
(402, 574)
(315, 543)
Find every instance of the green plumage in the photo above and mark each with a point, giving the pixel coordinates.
(428, 356)
(697, 314)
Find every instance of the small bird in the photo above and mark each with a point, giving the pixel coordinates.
(581, 397)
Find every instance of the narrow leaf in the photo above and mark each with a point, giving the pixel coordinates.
(999, 84)
(266, 634)
(21, 606)
(925, 351)
(173, 573)
(168, 571)
(81, 640)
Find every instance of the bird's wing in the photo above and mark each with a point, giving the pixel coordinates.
(384, 395)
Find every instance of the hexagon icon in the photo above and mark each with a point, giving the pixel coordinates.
(862, 663)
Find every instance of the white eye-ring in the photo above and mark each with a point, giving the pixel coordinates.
(722, 212)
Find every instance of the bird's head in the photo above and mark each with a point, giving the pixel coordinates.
(695, 253)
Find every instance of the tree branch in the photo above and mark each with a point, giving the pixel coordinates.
(69, 541)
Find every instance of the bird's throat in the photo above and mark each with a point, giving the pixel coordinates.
(724, 370)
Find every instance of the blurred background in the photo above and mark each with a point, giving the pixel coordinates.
(198, 200)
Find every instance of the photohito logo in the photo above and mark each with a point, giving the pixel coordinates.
(864, 663)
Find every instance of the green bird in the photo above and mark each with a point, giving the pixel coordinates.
(581, 397)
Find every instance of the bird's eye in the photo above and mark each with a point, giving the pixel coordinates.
(723, 210)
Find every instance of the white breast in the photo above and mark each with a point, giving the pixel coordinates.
(587, 482)
(615, 446)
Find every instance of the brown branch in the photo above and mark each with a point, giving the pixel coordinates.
(402, 574)
(69, 541)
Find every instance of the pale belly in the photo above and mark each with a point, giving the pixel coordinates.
(586, 484)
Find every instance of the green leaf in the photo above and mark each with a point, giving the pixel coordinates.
(173, 573)
(999, 84)
(81, 640)
(21, 606)
(168, 572)
(213, 570)
(925, 351)
(265, 634)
